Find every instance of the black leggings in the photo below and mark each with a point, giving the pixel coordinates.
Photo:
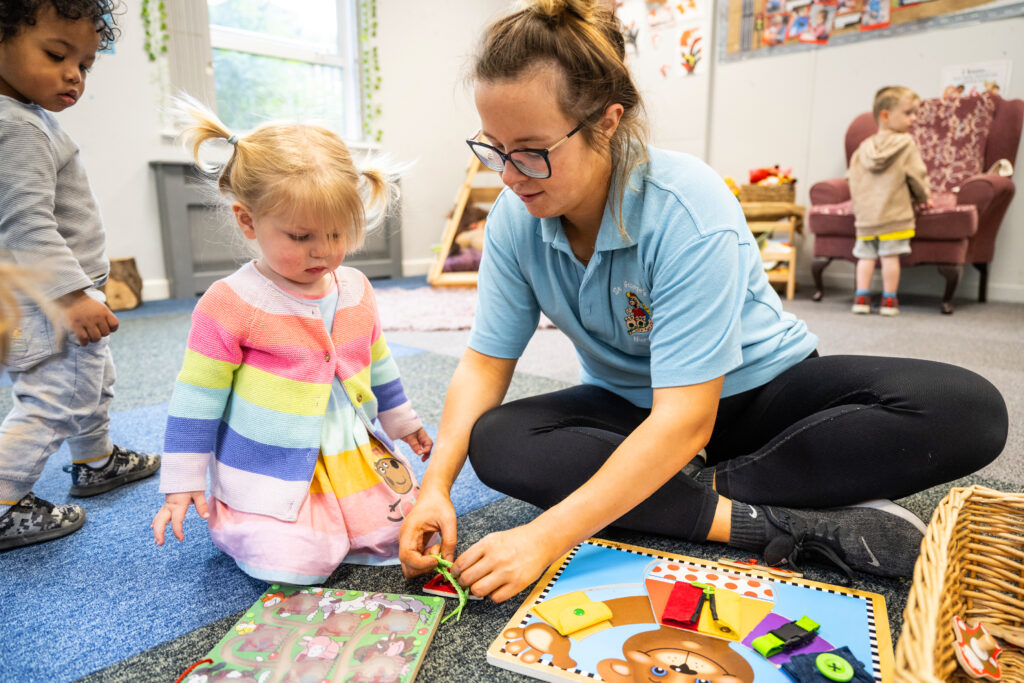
(830, 431)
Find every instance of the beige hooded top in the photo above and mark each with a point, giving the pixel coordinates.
(887, 176)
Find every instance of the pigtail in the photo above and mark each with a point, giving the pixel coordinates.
(379, 191)
(204, 125)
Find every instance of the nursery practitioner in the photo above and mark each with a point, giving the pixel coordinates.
(287, 372)
(49, 223)
(887, 177)
(643, 258)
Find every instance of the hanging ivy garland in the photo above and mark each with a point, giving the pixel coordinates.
(369, 68)
(154, 26)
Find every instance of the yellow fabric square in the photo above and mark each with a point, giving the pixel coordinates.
(561, 612)
(728, 607)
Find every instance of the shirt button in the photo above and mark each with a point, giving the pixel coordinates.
(359, 398)
(327, 357)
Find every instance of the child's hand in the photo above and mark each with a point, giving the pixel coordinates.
(174, 508)
(88, 319)
(420, 443)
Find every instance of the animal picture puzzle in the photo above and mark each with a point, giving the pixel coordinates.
(613, 612)
(324, 634)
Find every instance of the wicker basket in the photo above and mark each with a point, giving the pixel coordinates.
(971, 565)
(786, 192)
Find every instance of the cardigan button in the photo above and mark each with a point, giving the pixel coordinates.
(327, 357)
(359, 398)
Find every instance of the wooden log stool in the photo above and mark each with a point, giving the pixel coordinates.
(124, 286)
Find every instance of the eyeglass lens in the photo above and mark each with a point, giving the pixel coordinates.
(529, 164)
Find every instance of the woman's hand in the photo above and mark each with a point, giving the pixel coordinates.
(432, 514)
(174, 508)
(420, 443)
(505, 562)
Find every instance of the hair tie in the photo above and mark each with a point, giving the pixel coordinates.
(233, 140)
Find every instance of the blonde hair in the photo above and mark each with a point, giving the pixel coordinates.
(584, 39)
(887, 98)
(14, 282)
(294, 167)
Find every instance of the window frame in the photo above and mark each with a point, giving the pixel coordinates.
(346, 58)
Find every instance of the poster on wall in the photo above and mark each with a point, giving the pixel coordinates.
(775, 27)
(665, 36)
(972, 79)
(875, 15)
(821, 16)
(799, 22)
(847, 13)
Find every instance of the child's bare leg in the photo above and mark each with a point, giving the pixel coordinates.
(865, 271)
(890, 273)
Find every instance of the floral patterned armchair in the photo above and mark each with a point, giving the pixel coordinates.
(959, 139)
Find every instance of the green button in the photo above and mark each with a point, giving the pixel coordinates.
(834, 667)
(578, 612)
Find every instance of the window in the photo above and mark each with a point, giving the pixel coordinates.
(286, 59)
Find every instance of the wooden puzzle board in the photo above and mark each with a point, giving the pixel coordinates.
(627, 578)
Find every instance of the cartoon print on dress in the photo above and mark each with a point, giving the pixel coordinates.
(638, 315)
(393, 471)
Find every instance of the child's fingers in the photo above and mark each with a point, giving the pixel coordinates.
(199, 500)
(177, 521)
(158, 525)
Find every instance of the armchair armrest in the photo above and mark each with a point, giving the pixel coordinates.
(983, 189)
(831, 191)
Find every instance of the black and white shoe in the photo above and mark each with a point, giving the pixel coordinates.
(877, 537)
(34, 520)
(123, 466)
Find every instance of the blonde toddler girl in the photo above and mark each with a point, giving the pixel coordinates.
(288, 396)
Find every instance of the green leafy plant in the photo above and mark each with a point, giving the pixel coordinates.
(369, 65)
(154, 25)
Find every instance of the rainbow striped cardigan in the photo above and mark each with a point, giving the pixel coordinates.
(250, 400)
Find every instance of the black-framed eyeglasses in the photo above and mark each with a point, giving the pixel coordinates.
(532, 163)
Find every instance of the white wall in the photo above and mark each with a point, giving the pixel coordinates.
(117, 127)
(427, 109)
(793, 110)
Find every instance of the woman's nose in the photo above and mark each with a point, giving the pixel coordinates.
(510, 175)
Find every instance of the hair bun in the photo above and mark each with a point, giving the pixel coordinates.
(555, 11)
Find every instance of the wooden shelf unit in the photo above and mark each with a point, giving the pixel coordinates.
(775, 218)
(469, 193)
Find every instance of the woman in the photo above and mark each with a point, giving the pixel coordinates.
(643, 258)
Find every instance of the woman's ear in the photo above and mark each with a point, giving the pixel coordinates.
(244, 220)
(609, 122)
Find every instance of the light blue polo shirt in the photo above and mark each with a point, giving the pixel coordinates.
(683, 300)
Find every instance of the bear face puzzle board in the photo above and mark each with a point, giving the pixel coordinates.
(601, 614)
(324, 634)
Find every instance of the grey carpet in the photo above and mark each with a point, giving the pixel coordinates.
(458, 653)
(985, 338)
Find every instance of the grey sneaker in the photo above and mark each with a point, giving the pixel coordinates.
(877, 537)
(124, 466)
(34, 520)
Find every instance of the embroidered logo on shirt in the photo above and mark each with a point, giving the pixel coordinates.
(638, 315)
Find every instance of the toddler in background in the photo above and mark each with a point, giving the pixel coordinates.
(887, 176)
(288, 395)
(49, 223)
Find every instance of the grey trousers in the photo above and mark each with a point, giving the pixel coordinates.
(62, 392)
